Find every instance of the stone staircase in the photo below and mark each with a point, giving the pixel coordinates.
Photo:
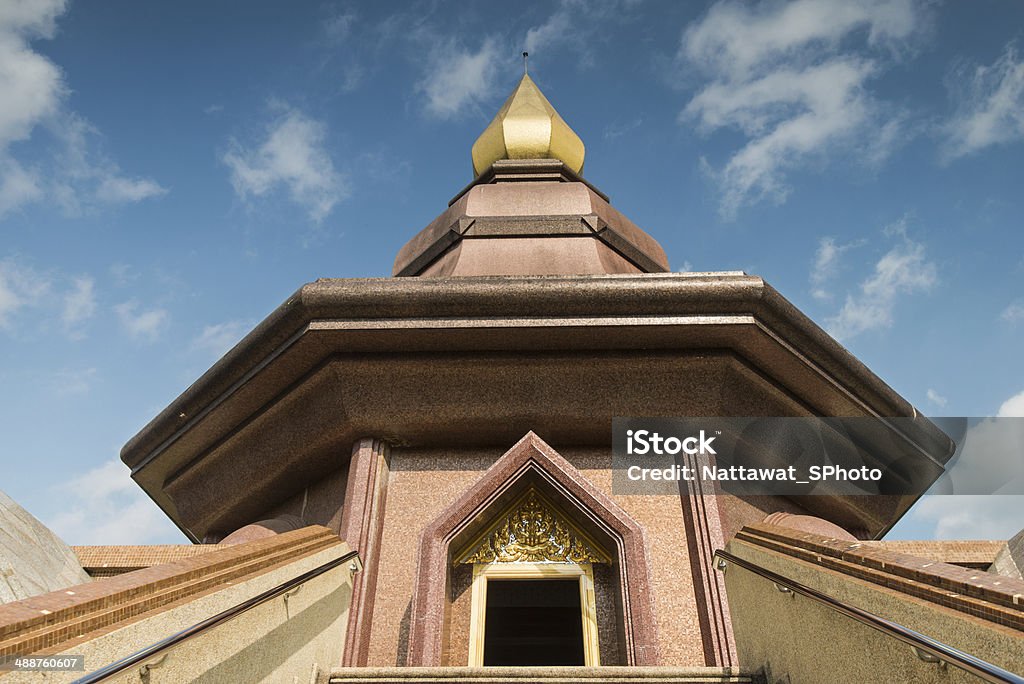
(545, 675)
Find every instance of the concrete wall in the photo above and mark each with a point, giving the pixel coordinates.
(33, 560)
(796, 639)
(282, 640)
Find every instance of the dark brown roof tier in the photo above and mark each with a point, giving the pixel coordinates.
(482, 360)
(530, 217)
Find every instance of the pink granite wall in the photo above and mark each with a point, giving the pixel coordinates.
(423, 483)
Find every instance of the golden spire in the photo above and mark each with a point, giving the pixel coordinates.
(527, 127)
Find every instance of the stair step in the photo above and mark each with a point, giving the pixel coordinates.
(546, 675)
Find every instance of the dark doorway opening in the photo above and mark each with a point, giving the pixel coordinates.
(533, 622)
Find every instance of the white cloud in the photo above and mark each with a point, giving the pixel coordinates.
(456, 78)
(17, 186)
(826, 264)
(145, 324)
(1014, 313)
(936, 398)
(79, 302)
(990, 105)
(338, 26)
(20, 286)
(902, 270)
(1012, 407)
(123, 274)
(738, 37)
(104, 506)
(292, 156)
(32, 85)
(962, 516)
(989, 468)
(87, 177)
(219, 338)
(551, 33)
(23, 287)
(34, 94)
(578, 26)
(113, 188)
(780, 77)
(617, 130)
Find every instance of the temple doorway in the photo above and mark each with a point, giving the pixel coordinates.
(533, 599)
(533, 622)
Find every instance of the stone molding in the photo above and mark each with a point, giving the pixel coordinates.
(362, 522)
(704, 535)
(531, 458)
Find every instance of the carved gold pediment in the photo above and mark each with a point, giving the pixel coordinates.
(533, 530)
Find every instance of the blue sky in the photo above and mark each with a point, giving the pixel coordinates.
(171, 172)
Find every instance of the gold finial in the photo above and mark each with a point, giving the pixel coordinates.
(528, 127)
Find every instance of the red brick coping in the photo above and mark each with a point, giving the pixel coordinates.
(973, 553)
(982, 594)
(107, 561)
(52, 622)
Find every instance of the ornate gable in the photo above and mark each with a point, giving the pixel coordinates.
(533, 530)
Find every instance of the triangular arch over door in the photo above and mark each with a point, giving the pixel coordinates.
(532, 463)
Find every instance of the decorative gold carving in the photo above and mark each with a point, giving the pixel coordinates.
(533, 531)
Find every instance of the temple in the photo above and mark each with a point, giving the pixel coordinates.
(424, 464)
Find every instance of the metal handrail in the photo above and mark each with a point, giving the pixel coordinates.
(921, 643)
(222, 617)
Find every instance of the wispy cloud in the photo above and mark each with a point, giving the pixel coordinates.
(552, 32)
(123, 274)
(617, 130)
(826, 265)
(784, 75)
(18, 186)
(990, 105)
(52, 297)
(142, 324)
(965, 516)
(217, 339)
(104, 506)
(338, 25)
(579, 27)
(936, 398)
(86, 177)
(458, 78)
(113, 188)
(1014, 313)
(70, 382)
(290, 155)
(903, 270)
(988, 462)
(79, 303)
(34, 96)
(20, 286)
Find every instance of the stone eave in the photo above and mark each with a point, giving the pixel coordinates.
(513, 315)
